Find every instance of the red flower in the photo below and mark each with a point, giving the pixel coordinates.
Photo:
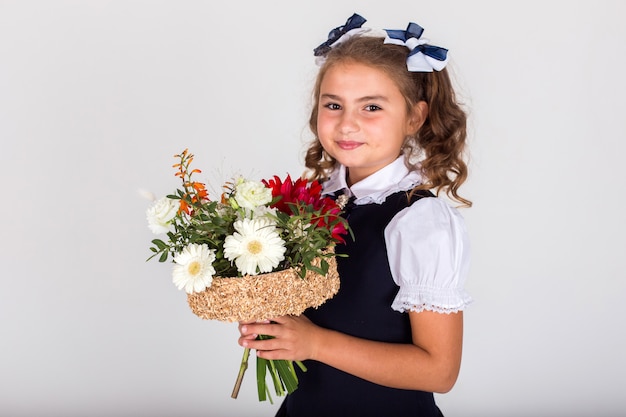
(296, 196)
(292, 194)
(332, 212)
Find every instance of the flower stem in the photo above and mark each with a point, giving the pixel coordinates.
(242, 370)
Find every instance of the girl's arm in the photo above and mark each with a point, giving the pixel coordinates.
(431, 363)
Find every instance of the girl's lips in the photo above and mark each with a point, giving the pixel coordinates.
(348, 144)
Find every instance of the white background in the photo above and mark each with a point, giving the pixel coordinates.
(97, 96)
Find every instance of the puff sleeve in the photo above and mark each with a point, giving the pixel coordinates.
(429, 255)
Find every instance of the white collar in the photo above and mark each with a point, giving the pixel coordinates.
(376, 187)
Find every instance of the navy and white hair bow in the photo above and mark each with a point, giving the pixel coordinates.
(354, 22)
(423, 57)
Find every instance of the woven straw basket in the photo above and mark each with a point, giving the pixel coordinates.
(259, 297)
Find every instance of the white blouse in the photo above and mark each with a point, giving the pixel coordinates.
(427, 242)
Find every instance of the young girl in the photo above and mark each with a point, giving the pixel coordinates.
(387, 130)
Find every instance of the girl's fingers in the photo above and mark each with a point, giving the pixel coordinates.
(246, 328)
(261, 345)
(250, 331)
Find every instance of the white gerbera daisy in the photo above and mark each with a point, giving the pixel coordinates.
(255, 246)
(194, 270)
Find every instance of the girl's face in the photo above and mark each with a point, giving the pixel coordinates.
(362, 118)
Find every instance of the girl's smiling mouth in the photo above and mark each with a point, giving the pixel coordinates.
(348, 144)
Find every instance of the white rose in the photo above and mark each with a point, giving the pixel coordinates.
(252, 194)
(160, 215)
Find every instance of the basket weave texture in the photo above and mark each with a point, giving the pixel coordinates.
(259, 297)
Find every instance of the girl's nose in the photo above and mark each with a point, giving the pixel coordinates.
(348, 123)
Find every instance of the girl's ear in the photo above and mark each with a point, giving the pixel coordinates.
(418, 116)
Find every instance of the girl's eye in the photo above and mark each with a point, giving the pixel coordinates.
(372, 107)
(332, 106)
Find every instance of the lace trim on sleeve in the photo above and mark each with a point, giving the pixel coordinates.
(418, 299)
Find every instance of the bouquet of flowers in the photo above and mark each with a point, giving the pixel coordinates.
(263, 249)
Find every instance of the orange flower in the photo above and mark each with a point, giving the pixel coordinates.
(184, 207)
(201, 192)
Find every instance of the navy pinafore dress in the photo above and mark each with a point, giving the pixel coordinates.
(361, 308)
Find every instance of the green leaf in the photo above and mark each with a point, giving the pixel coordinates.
(159, 244)
(260, 378)
(301, 366)
(278, 385)
(163, 257)
(314, 268)
(287, 375)
(324, 266)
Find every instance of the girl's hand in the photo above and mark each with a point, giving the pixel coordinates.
(246, 335)
(294, 338)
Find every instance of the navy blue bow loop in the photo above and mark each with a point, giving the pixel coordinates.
(412, 31)
(354, 22)
(422, 56)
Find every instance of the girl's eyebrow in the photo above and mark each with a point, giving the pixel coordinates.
(361, 99)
